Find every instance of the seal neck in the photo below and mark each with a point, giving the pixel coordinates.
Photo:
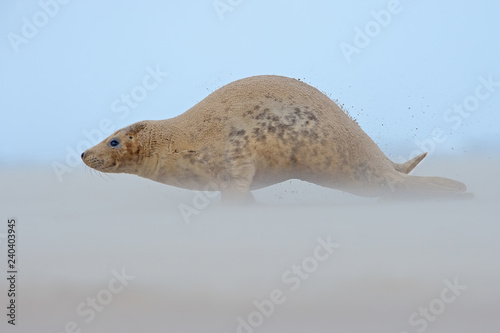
(148, 166)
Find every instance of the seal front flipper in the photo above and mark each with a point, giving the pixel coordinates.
(237, 187)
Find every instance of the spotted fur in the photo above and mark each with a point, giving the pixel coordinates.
(256, 132)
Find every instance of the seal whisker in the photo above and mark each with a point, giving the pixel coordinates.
(104, 175)
(89, 170)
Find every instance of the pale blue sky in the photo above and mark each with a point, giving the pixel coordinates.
(70, 75)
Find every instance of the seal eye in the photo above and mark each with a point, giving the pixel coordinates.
(114, 143)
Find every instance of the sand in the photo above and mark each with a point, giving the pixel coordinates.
(391, 260)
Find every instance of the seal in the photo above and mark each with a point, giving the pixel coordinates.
(257, 132)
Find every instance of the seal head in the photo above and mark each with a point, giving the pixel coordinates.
(121, 152)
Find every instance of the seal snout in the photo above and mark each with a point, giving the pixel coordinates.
(88, 158)
(98, 161)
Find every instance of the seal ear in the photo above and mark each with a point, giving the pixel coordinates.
(137, 127)
(141, 131)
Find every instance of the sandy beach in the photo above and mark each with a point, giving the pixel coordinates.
(117, 254)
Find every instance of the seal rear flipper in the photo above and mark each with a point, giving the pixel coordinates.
(430, 187)
(407, 167)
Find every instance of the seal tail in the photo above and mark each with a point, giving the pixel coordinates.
(407, 167)
(432, 187)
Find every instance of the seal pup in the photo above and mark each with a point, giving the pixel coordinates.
(257, 132)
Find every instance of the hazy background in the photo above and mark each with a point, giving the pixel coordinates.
(61, 89)
(427, 59)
